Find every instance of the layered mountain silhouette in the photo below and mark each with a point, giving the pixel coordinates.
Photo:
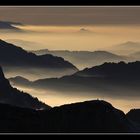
(85, 117)
(109, 79)
(19, 80)
(134, 115)
(84, 59)
(95, 116)
(12, 96)
(15, 59)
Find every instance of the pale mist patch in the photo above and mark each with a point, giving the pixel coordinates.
(36, 73)
(54, 98)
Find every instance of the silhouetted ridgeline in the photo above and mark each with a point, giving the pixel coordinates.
(130, 69)
(10, 95)
(110, 79)
(15, 61)
(86, 117)
(84, 59)
(13, 55)
(134, 115)
(91, 116)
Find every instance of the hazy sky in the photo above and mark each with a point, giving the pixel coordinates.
(73, 28)
(71, 15)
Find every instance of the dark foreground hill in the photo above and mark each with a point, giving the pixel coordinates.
(86, 117)
(134, 115)
(12, 96)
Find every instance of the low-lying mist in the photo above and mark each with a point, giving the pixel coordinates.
(56, 98)
(35, 73)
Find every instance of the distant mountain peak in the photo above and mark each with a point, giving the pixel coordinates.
(84, 30)
(129, 44)
(19, 78)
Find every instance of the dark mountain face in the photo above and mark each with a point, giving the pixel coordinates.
(16, 60)
(19, 79)
(10, 95)
(110, 79)
(113, 69)
(91, 116)
(84, 59)
(13, 55)
(134, 115)
(87, 117)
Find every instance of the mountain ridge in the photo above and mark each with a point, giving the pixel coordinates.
(17, 50)
(13, 57)
(84, 58)
(13, 96)
(95, 116)
(103, 79)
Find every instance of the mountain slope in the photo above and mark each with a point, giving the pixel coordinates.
(110, 79)
(13, 57)
(84, 59)
(113, 69)
(86, 117)
(10, 95)
(134, 115)
(91, 116)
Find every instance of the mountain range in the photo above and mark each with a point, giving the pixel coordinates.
(12, 96)
(15, 59)
(109, 79)
(83, 59)
(21, 113)
(126, 48)
(94, 116)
